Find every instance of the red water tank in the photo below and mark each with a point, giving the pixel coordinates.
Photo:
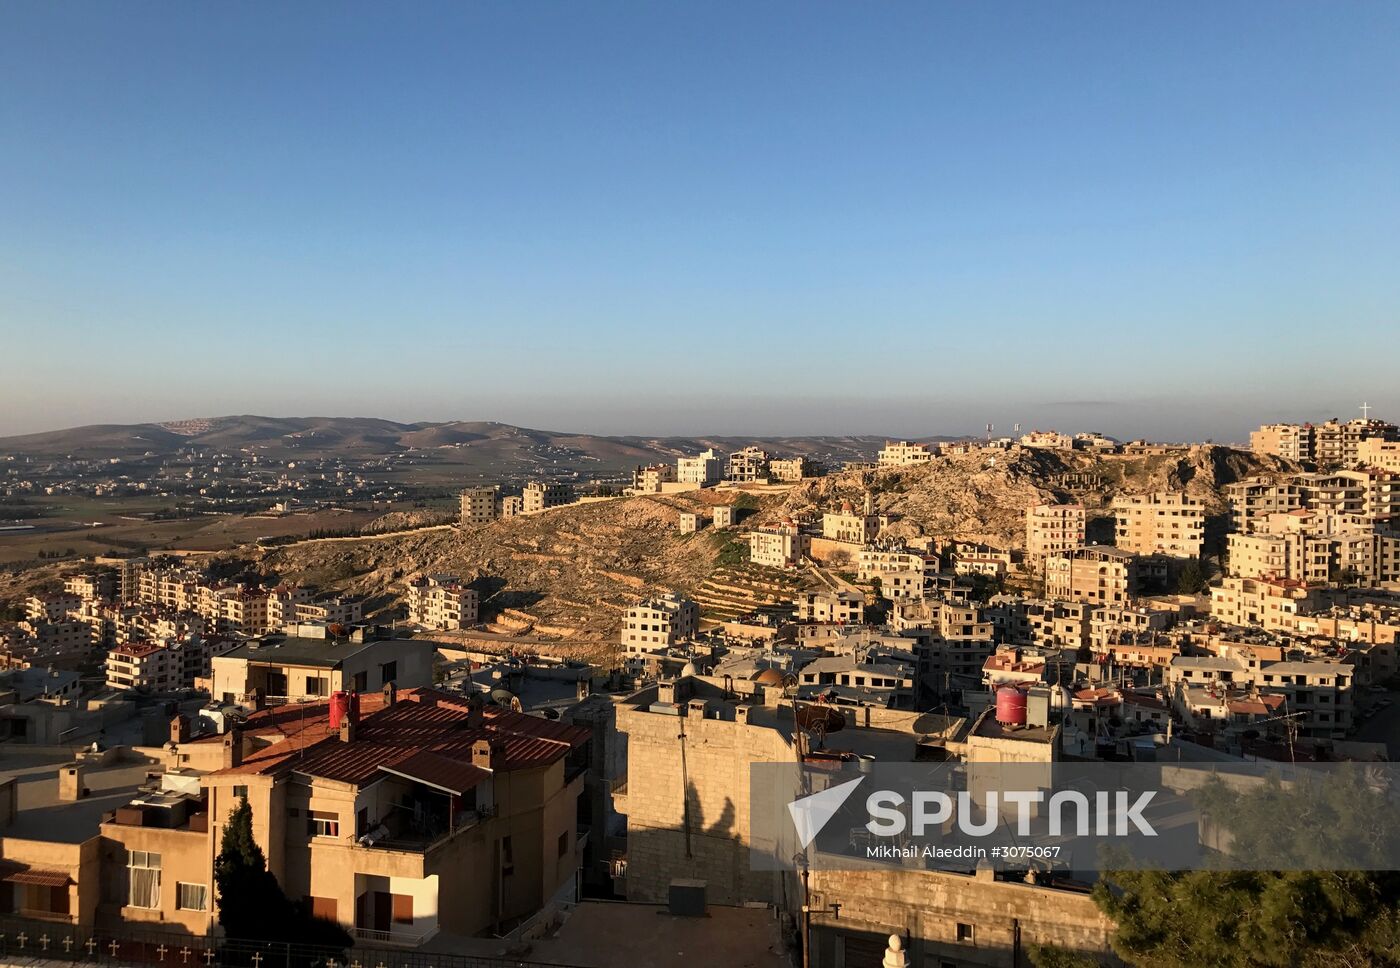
(340, 707)
(1011, 706)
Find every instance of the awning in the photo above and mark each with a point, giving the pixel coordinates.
(439, 772)
(38, 877)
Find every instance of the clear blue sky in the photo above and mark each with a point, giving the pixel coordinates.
(1171, 219)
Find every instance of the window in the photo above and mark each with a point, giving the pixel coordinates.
(317, 686)
(240, 793)
(507, 857)
(191, 897)
(143, 876)
(403, 908)
(563, 843)
(388, 672)
(965, 933)
(321, 824)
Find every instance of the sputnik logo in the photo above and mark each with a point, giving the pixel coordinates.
(811, 814)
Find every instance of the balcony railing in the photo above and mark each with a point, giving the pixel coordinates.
(399, 937)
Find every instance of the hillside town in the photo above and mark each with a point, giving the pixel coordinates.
(438, 774)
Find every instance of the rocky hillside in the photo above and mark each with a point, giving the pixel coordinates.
(569, 571)
(983, 498)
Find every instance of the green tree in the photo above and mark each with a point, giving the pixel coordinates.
(252, 905)
(1270, 919)
(1193, 578)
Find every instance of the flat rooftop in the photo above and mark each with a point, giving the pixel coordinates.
(42, 815)
(298, 650)
(615, 934)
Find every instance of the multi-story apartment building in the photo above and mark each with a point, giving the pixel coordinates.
(779, 546)
(748, 464)
(842, 606)
(1096, 574)
(1337, 443)
(479, 505)
(1307, 547)
(512, 505)
(649, 480)
(903, 575)
(659, 622)
(904, 453)
(51, 608)
(790, 469)
(334, 610)
(1322, 692)
(705, 469)
(1052, 528)
(441, 602)
(1272, 604)
(147, 666)
(1290, 441)
(1334, 443)
(1380, 454)
(1161, 523)
(91, 587)
(1253, 499)
(539, 495)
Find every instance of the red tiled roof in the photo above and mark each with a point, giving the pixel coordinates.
(452, 776)
(38, 877)
(423, 720)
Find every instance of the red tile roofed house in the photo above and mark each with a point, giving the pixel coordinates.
(423, 814)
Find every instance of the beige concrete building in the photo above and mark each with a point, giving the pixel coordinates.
(1290, 441)
(659, 622)
(1095, 574)
(903, 575)
(748, 465)
(1047, 440)
(1253, 499)
(904, 453)
(689, 522)
(441, 602)
(779, 546)
(1164, 523)
(705, 469)
(1379, 454)
(1321, 691)
(649, 480)
(725, 515)
(695, 824)
(841, 607)
(512, 505)
(478, 506)
(299, 668)
(1272, 604)
(1052, 528)
(538, 496)
(790, 469)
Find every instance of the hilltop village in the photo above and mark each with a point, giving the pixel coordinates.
(468, 736)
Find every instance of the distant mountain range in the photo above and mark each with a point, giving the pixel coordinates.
(482, 441)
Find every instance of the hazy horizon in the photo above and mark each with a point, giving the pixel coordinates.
(1174, 222)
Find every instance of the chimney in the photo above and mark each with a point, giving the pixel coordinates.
(233, 748)
(179, 730)
(488, 754)
(476, 712)
(70, 782)
(348, 726)
(391, 693)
